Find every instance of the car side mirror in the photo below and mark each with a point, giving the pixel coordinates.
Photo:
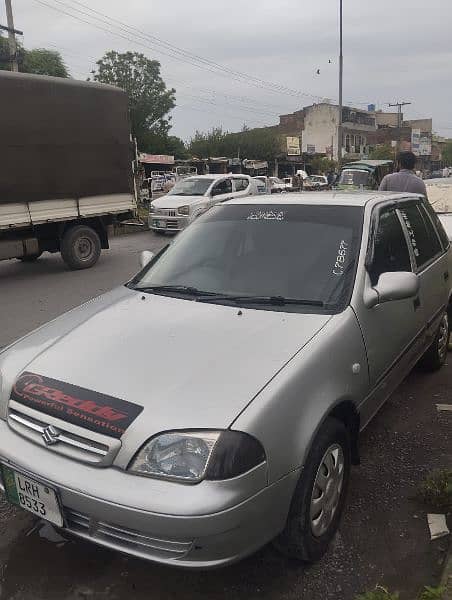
(399, 285)
(145, 258)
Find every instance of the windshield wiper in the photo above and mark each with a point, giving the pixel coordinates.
(179, 289)
(271, 300)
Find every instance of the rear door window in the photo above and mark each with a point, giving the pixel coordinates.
(241, 184)
(422, 235)
(222, 187)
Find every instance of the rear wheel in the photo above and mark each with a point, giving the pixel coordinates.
(436, 355)
(319, 497)
(80, 247)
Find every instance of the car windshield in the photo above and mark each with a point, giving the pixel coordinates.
(194, 186)
(305, 254)
(354, 177)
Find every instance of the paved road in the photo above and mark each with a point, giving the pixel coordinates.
(383, 536)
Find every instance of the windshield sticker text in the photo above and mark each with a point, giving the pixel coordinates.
(338, 268)
(266, 216)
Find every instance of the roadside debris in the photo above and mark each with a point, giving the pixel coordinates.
(438, 526)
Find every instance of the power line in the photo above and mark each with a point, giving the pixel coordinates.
(169, 50)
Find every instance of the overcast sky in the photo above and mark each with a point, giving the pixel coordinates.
(393, 50)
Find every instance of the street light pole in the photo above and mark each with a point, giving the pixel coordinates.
(341, 68)
(11, 36)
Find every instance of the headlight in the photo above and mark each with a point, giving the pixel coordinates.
(152, 208)
(193, 456)
(184, 210)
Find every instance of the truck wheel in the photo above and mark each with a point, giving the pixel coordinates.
(319, 497)
(30, 257)
(80, 247)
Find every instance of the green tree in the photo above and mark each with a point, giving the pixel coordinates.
(382, 152)
(41, 61)
(259, 144)
(149, 99)
(211, 143)
(38, 61)
(164, 144)
(446, 154)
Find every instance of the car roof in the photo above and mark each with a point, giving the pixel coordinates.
(323, 198)
(216, 176)
(369, 163)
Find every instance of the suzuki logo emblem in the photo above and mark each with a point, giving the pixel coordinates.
(50, 435)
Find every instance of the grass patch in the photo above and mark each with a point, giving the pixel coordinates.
(432, 593)
(379, 593)
(436, 490)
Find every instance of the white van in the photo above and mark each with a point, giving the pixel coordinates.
(192, 196)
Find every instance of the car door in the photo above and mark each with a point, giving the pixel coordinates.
(221, 191)
(431, 263)
(242, 187)
(392, 331)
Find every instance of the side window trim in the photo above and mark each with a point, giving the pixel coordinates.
(419, 204)
(407, 240)
(425, 211)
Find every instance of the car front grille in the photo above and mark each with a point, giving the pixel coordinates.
(165, 212)
(123, 539)
(172, 224)
(66, 442)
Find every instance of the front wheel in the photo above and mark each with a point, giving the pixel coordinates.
(319, 497)
(80, 247)
(436, 355)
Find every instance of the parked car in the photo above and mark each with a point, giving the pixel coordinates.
(277, 185)
(192, 196)
(276, 329)
(315, 183)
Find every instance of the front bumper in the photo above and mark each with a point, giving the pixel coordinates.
(202, 526)
(166, 223)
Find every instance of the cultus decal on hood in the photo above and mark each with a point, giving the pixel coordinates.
(86, 408)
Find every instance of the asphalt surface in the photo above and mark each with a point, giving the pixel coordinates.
(383, 537)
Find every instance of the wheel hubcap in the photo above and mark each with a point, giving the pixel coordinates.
(327, 490)
(443, 338)
(84, 248)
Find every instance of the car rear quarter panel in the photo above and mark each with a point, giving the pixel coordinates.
(287, 414)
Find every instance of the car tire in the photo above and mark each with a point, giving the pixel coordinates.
(30, 257)
(308, 532)
(435, 357)
(80, 247)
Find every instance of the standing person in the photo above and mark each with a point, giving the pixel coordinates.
(405, 180)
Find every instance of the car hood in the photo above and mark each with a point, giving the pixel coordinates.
(188, 364)
(174, 201)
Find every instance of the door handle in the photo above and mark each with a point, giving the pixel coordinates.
(416, 303)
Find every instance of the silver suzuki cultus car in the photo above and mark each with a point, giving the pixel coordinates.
(214, 403)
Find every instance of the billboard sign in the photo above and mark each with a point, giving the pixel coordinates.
(161, 159)
(425, 145)
(293, 146)
(415, 141)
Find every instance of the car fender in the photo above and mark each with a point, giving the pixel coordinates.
(328, 372)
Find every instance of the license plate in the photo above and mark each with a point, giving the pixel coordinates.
(160, 224)
(31, 495)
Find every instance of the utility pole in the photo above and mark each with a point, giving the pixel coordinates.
(341, 68)
(11, 36)
(399, 111)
